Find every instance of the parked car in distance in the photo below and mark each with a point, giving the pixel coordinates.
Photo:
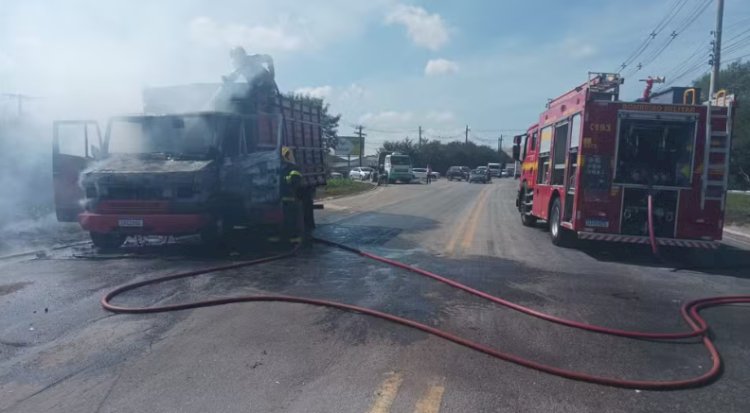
(486, 171)
(336, 175)
(361, 172)
(419, 173)
(456, 173)
(435, 175)
(479, 175)
(505, 173)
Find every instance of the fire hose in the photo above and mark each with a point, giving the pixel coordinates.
(690, 312)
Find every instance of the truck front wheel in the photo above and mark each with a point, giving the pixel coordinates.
(526, 218)
(107, 241)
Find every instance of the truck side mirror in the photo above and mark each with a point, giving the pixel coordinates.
(516, 152)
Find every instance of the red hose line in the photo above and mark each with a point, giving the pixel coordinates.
(690, 312)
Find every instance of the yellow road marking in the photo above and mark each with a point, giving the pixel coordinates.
(458, 229)
(473, 221)
(431, 399)
(386, 393)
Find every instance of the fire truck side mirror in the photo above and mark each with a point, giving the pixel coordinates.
(517, 148)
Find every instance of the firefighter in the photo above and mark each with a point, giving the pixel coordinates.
(291, 182)
(257, 69)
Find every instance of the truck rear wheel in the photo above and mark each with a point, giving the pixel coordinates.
(107, 241)
(560, 236)
(215, 233)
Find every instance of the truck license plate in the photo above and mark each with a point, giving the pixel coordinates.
(130, 223)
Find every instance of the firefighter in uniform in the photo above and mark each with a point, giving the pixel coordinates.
(291, 182)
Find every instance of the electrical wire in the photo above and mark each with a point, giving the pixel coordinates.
(683, 25)
(671, 14)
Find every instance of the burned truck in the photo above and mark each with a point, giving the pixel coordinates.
(173, 171)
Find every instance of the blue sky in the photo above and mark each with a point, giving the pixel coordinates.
(387, 64)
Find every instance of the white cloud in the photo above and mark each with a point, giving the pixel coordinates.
(437, 67)
(577, 48)
(353, 93)
(386, 118)
(424, 29)
(441, 116)
(321, 92)
(207, 32)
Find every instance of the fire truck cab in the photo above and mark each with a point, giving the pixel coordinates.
(591, 161)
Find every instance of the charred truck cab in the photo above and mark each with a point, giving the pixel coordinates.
(591, 161)
(188, 173)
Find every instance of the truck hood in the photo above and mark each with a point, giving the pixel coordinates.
(135, 170)
(132, 164)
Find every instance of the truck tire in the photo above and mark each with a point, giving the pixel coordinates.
(215, 234)
(526, 218)
(108, 241)
(560, 236)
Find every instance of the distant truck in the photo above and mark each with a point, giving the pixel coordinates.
(394, 166)
(197, 172)
(495, 169)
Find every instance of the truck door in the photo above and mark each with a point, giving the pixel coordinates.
(75, 145)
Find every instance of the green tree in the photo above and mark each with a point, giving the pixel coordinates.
(735, 78)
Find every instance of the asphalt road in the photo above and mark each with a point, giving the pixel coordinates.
(59, 351)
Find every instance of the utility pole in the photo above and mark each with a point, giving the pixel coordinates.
(500, 144)
(467, 134)
(420, 137)
(361, 142)
(716, 55)
(20, 99)
(712, 84)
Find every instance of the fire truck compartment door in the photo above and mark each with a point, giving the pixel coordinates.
(75, 145)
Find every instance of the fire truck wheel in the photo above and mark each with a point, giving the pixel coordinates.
(560, 236)
(107, 241)
(526, 218)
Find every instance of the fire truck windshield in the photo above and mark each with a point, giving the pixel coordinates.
(179, 136)
(655, 152)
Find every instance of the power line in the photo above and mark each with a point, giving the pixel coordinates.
(671, 14)
(685, 23)
(701, 54)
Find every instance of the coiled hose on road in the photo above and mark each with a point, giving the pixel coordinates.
(689, 311)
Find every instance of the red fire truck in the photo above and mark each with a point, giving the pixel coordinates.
(592, 164)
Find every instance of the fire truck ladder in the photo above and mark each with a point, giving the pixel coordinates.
(715, 178)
